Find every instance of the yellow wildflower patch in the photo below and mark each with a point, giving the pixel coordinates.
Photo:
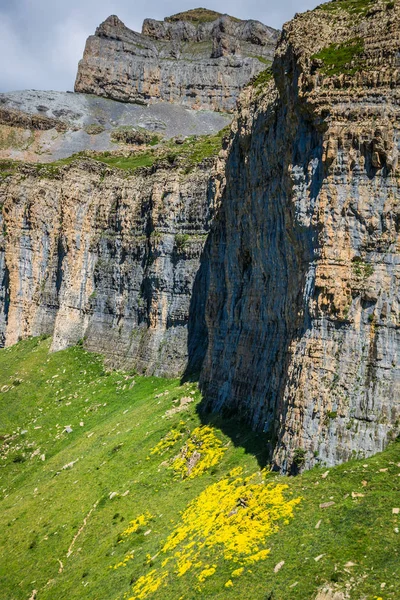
(202, 451)
(167, 442)
(135, 525)
(207, 572)
(147, 584)
(262, 555)
(183, 566)
(124, 562)
(235, 515)
(232, 519)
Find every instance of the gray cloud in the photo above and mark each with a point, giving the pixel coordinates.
(41, 41)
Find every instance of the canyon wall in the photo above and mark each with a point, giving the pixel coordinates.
(201, 65)
(89, 253)
(302, 310)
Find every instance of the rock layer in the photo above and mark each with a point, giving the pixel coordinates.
(89, 253)
(198, 65)
(303, 301)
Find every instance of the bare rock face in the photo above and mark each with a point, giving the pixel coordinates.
(199, 59)
(303, 297)
(89, 253)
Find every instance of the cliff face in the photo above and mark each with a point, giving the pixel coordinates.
(88, 252)
(293, 299)
(302, 290)
(201, 65)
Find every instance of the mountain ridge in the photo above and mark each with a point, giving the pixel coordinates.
(199, 64)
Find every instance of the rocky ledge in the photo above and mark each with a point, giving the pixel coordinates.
(37, 126)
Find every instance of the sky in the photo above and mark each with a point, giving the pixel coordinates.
(41, 41)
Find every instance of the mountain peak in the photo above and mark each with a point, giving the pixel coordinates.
(197, 16)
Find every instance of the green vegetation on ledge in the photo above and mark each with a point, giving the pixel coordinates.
(186, 154)
(197, 16)
(342, 58)
(8, 167)
(354, 7)
(262, 78)
(112, 488)
(262, 59)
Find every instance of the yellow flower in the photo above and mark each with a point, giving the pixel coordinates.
(168, 441)
(183, 566)
(235, 516)
(124, 562)
(232, 517)
(202, 451)
(207, 572)
(147, 584)
(262, 555)
(134, 525)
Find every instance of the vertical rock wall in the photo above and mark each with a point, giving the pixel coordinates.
(91, 254)
(303, 296)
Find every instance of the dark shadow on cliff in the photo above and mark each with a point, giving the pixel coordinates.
(241, 435)
(197, 327)
(250, 299)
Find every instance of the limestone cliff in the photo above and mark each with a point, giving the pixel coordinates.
(87, 252)
(303, 279)
(278, 271)
(200, 59)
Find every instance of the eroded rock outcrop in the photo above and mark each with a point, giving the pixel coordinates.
(303, 280)
(189, 60)
(87, 252)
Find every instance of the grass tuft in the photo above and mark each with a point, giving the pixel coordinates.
(262, 78)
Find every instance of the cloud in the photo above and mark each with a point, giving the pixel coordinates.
(41, 41)
(69, 42)
(17, 66)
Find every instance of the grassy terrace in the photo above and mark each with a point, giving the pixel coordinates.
(342, 58)
(120, 508)
(186, 155)
(262, 78)
(353, 7)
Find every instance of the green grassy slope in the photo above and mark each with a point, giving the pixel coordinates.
(187, 155)
(67, 498)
